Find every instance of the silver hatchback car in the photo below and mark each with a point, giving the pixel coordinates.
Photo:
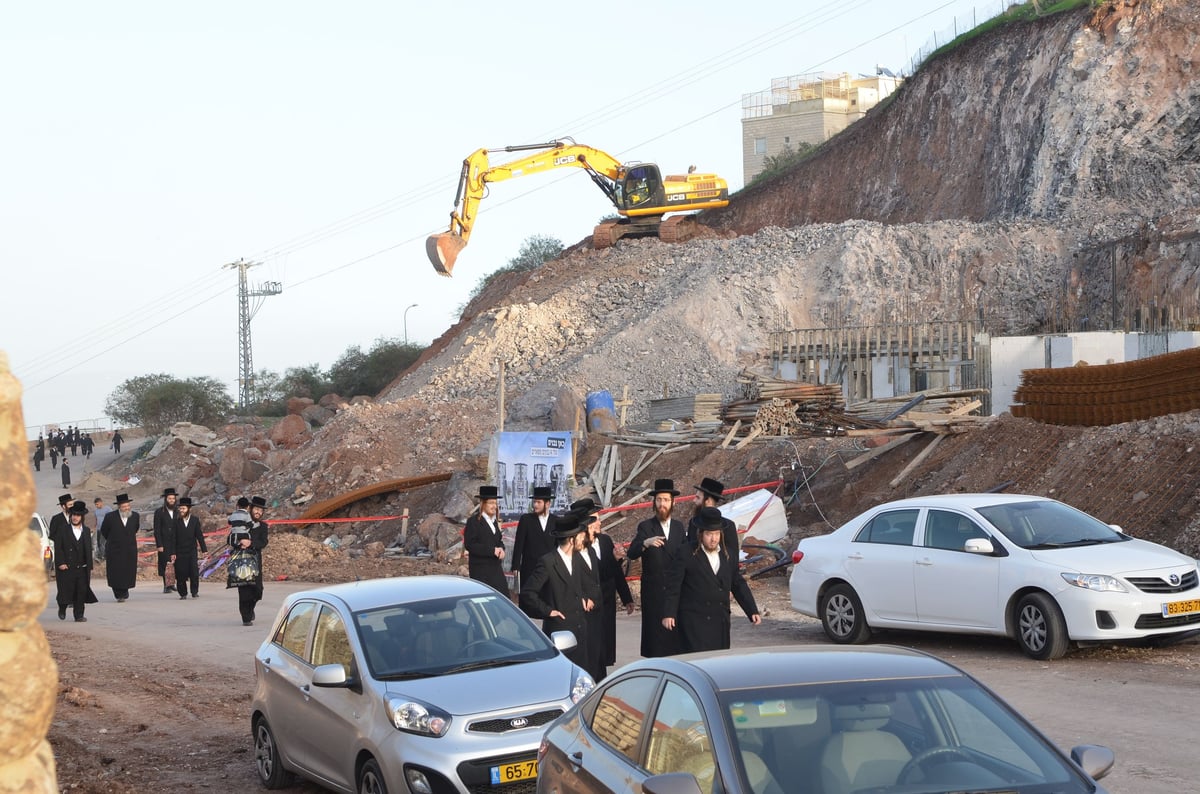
(424, 684)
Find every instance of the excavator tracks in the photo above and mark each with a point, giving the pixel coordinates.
(677, 229)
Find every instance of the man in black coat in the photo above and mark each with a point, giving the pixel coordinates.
(612, 583)
(697, 602)
(557, 591)
(115, 444)
(73, 565)
(655, 543)
(61, 520)
(187, 537)
(484, 543)
(164, 528)
(249, 531)
(120, 529)
(534, 539)
(710, 493)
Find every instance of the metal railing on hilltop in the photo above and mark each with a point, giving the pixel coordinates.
(961, 24)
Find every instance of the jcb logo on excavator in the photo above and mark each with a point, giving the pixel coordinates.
(570, 158)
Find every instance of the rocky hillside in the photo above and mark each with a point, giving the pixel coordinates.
(1013, 179)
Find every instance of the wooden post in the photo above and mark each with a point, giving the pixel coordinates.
(404, 526)
(501, 386)
(624, 403)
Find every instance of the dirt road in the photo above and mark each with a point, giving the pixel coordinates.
(154, 692)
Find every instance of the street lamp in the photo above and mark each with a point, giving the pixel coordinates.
(406, 323)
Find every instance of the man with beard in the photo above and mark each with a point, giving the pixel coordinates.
(710, 493)
(656, 543)
(73, 565)
(612, 583)
(534, 539)
(164, 530)
(187, 536)
(697, 603)
(557, 591)
(120, 530)
(249, 531)
(62, 520)
(484, 543)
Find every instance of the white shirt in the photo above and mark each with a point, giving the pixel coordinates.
(488, 519)
(566, 558)
(587, 558)
(666, 528)
(78, 532)
(543, 520)
(714, 559)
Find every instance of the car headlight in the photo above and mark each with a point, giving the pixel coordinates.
(582, 685)
(1095, 581)
(413, 716)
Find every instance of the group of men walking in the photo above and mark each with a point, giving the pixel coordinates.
(569, 576)
(178, 539)
(57, 444)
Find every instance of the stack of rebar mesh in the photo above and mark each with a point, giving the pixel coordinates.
(1111, 393)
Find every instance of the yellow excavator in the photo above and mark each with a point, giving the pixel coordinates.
(639, 191)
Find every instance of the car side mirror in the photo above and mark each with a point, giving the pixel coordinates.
(979, 546)
(671, 783)
(332, 675)
(563, 640)
(1097, 761)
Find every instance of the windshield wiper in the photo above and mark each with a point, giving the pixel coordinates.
(407, 675)
(1069, 543)
(481, 665)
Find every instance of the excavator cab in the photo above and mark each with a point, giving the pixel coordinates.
(641, 187)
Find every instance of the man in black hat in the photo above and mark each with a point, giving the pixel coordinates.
(612, 583)
(250, 532)
(73, 565)
(534, 537)
(62, 519)
(484, 543)
(710, 493)
(187, 536)
(115, 444)
(656, 543)
(557, 592)
(164, 528)
(697, 602)
(120, 529)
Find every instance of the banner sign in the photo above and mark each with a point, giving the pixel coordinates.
(520, 461)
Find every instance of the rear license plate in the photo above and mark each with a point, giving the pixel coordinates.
(511, 773)
(1173, 609)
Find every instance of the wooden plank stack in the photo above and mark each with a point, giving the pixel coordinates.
(697, 407)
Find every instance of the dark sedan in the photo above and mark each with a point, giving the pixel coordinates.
(813, 720)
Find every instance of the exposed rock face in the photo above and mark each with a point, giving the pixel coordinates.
(291, 431)
(28, 675)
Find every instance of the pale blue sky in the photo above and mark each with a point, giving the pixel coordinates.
(146, 144)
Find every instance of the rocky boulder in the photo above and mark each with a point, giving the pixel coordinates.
(296, 405)
(291, 431)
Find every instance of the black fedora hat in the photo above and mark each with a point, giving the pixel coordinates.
(65, 499)
(78, 509)
(585, 506)
(257, 501)
(664, 486)
(123, 499)
(168, 492)
(711, 487)
(566, 525)
(710, 519)
(488, 492)
(185, 501)
(543, 492)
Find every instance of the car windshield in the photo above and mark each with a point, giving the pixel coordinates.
(1048, 525)
(914, 736)
(448, 635)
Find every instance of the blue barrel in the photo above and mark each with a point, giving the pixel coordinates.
(601, 412)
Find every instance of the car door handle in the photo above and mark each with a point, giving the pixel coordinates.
(924, 561)
(577, 758)
(854, 556)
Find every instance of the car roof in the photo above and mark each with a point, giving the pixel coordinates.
(967, 500)
(374, 593)
(772, 666)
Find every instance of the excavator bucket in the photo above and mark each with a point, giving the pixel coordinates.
(443, 249)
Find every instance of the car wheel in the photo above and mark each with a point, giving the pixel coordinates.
(266, 757)
(1041, 629)
(842, 615)
(370, 778)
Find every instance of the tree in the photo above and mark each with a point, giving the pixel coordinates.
(155, 402)
(304, 382)
(787, 157)
(536, 251)
(356, 372)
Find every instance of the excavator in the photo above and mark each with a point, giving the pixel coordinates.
(639, 191)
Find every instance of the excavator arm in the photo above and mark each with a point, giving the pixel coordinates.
(443, 249)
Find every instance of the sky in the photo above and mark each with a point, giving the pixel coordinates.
(147, 146)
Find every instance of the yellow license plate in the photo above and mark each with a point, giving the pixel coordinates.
(1176, 608)
(511, 773)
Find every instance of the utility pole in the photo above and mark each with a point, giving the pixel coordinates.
(245, 315)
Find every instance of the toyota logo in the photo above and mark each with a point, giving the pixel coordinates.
(521, 722)
(1173, 579)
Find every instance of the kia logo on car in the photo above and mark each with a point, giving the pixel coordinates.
(1173, 579)
(519, 722)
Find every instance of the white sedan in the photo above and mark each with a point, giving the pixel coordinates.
(1026, 567)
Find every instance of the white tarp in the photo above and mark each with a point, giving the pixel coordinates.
(770, 526)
